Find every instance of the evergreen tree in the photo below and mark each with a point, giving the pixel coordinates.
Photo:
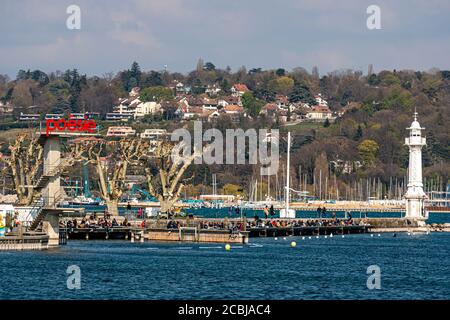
(135, 72)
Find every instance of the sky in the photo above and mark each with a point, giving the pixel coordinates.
(331, 35)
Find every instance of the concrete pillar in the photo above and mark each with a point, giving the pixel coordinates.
(52, 158)
(50, 226)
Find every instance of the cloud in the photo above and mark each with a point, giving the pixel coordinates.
(329, 34)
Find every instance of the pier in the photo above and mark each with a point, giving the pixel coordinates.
(307, 231)
(214, 230)
(99, 233)
(26, 241)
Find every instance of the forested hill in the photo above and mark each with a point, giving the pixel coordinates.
(366, 141)
(374, 128)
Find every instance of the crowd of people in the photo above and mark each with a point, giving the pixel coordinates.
(92, 221)
(257, 222)
(279, 223)
(269, 221)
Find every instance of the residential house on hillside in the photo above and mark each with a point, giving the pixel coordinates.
(319, 113)
(6, 109)
(234, 111)
(181, 89)
(320, 101)
(212, 90)
(225, 101)
(32, 117)
(282, 101)
(238, 89)
(210, 115)
(195, 101)
(133, 107)
(209, 104)
(146, 108)
(270, 110)
(114, 116)
(154, 136)
(134, 92)
(188, 112)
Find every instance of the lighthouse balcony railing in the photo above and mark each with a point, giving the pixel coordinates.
(413, 140)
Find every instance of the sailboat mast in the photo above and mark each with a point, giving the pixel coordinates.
(287, 171)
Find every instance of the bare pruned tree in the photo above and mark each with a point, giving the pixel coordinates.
(165, 175)
(111, 160)
(23, 165)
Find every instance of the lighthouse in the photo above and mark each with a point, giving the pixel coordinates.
(415, 196)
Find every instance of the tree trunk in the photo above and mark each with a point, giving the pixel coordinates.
(113, 209)
(166, 205)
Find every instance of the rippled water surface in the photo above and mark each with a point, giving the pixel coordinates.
(412, 267)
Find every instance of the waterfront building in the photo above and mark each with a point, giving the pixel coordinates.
(114, 116)
(54, 116)
(120, 131)
(84, 116)
(154, 134)
(29, 117)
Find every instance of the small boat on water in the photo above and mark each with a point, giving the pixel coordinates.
(82, 200)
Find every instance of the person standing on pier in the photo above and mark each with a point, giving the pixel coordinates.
(272, 211)
(266, 212)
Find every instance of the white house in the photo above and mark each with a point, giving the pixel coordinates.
(321, 101)
(238, 89)
(120, 131)
(212, 90)
(209, 104)
(145, 108)
(153, 134)
(319, 113)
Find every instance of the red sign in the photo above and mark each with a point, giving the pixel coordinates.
(70, 125)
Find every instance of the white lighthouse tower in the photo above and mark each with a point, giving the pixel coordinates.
(414, 195)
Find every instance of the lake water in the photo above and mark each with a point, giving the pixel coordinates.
(412, 267)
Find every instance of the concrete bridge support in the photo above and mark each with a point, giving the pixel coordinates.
(50, 226)
(52, 159)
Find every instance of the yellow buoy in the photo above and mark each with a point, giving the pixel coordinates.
(227, 247)
(293, 244)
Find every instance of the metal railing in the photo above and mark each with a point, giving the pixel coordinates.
(35, 215)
